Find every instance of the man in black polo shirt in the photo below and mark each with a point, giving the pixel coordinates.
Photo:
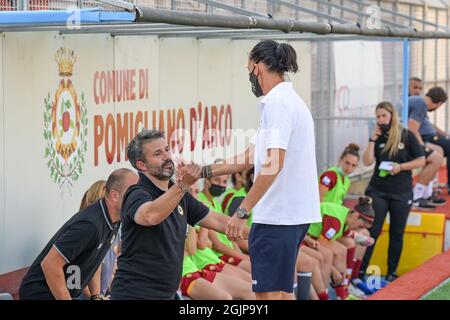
(73, 255)
(154, 220)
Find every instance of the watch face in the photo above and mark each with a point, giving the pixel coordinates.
(241, 213)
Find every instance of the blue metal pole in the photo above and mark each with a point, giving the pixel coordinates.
(406, 59)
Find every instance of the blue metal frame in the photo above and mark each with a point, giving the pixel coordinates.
(46, 17)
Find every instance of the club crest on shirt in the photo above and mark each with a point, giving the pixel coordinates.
(401, 146)
(381, 145)
(326, 181)
(330, 233)
(180, 210)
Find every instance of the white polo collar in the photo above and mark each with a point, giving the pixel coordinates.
(105, 215)
(275, 91)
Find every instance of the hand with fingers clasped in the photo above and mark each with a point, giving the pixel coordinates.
(187, 175)
(193, 169)
(310, 242)
(363, 240)
(235, 228)
(396, 169)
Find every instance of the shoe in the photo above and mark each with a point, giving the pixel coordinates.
(354, 291)
(423, 204)
(362, 286)
(436, 200)
(391, 277)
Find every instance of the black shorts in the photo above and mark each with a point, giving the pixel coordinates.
(431, 138)
(273, 254)
(428, 151)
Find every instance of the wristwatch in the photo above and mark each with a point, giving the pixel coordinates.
(242, 213)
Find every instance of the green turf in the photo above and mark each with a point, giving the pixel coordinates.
(440, 293)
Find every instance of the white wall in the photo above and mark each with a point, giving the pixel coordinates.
(182, 72)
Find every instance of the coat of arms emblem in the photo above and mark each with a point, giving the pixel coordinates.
(65, 126)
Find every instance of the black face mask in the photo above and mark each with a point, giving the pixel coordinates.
(216, 190)
(256, 88)
(385, 127)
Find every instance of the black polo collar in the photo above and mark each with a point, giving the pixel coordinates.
(148, 184)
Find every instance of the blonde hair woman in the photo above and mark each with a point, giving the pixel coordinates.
(94, 193)
(396, 152)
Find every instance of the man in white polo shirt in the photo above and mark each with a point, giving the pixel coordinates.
(285, 195)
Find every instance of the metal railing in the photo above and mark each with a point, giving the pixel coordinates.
(430, 59)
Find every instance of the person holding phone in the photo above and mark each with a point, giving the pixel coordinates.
(391, 191)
